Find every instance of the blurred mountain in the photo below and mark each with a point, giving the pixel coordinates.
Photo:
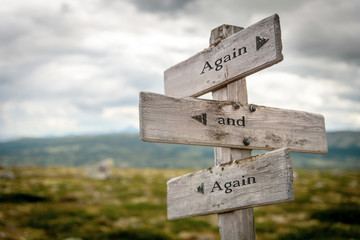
(127, 150)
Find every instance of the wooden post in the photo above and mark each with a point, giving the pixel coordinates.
(161, 117)
(174, 119)
(237, 225)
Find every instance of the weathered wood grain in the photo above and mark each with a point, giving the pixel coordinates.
(199, 122)
(239, 224)
(239, 56)
(256, 181)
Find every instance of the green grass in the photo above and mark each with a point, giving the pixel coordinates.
(59, 203)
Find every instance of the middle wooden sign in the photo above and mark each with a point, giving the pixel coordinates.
(195, 121)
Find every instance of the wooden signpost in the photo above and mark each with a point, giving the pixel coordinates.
(237, 182)
(239, 55)
(256, 181)
(227, 124)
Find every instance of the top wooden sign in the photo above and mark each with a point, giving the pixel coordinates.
(246, 52)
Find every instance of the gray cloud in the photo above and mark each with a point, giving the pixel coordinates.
(327, 30)
(332, 35)
(161, 6)
(77, 62)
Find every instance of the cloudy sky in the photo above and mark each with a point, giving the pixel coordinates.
(77, 67)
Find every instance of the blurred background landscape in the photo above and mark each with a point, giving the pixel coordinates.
(114, 187)
(72, 165)
(127, 150)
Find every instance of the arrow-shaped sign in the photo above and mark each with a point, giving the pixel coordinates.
(235, 57)
(222, 124)
(260, 180)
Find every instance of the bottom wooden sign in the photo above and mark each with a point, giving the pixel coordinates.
(256, 181)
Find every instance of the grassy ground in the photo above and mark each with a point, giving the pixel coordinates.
(62, 203)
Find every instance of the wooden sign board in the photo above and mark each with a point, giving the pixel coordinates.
(256, 181)
(248, 51)
(226, 124)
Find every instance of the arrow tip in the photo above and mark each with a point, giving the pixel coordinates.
(200, 118)
(260, 42)
(200, 189)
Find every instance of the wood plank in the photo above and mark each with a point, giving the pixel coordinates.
(239, 224)
(241, 54)
(256, 181)
(222, 124)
